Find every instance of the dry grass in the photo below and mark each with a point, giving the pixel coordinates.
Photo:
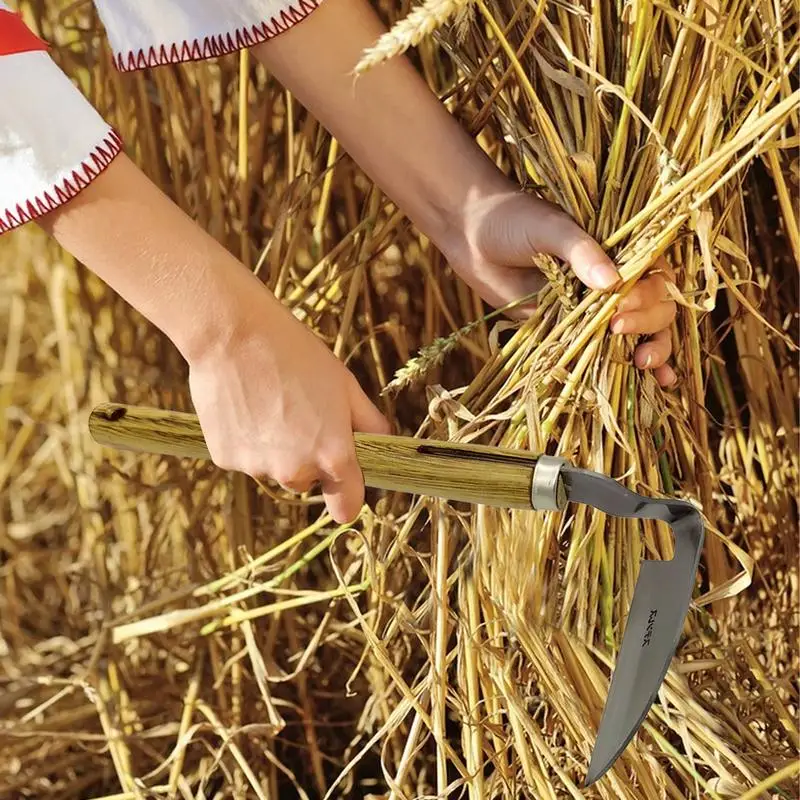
(167, 630)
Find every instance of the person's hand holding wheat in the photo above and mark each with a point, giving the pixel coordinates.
(391, 123)
(505, 232)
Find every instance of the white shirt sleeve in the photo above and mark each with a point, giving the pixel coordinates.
(53, 143)
(148, 33)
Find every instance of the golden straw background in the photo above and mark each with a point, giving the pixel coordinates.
(168, 630)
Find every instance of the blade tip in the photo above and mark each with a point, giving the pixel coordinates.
(593, 775)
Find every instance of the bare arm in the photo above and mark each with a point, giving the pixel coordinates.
(272, 399)
(148, 250)
(387, 119)
(406, 141)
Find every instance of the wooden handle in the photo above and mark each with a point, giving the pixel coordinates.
(473, 473)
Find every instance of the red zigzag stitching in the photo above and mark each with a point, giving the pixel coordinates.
(198, 49)
(100, 157)
(218, 45)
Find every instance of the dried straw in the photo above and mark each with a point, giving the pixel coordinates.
(170, 631)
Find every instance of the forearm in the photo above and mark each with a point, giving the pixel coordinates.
(133, 237)
(387, 119)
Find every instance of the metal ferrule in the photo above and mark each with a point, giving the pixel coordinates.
(547, 487)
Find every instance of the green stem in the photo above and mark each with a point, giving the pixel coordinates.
(666, 475)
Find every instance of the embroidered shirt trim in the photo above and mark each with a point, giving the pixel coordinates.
(67, 188)
(215, 45)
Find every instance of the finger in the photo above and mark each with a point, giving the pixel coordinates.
(650, 290)
(663, 266)
(585, 256)
(648, 321)
(666, 376)
(343, 487)
(655, 351)
(520, 312)
(341, 476)
(365, 416)
(646, 293)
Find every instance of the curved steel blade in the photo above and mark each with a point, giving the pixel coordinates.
(658, 610)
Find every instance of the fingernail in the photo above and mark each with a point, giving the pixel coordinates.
(618, 325)
(604, 276)
(672, 378)
(629, 303)
(642, 358)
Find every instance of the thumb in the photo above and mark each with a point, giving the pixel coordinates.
(364, 414)
(590, 263)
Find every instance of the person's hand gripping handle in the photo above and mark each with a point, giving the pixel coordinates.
(471, 473)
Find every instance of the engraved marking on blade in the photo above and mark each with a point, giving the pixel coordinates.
(651, 620)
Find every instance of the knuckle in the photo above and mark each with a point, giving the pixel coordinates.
(229, 458)
(225, 464)
(665, 274)
(662, 338)
(336, 464)
(224, 460)
(299, 487)
(253, 467)
(651, 291)
(288, 476)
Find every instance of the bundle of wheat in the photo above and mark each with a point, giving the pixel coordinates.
(92, 540)
(641, 120)
(166, 630)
